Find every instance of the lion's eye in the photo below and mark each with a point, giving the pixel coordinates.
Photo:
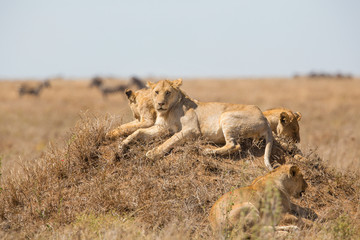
(157, 92)
(167, 92)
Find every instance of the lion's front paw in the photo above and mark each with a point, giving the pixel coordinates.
(153, 154)
(208, 151)
(112, 135)
(123, 148)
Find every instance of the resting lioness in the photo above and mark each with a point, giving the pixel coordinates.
(284, 123)
(244, 207)
(143, 111)
(185, 118)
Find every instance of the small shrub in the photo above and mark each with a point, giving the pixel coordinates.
(343, 228)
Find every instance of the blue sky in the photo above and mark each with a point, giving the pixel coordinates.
(168, 38)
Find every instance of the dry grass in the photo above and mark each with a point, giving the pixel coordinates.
(78, 187)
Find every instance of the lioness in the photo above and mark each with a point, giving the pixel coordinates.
(246, 206)
(185, 118)
(284, 123)
(143, 111)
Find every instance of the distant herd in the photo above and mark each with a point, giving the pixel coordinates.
(35, 90)
(98, 82)
(105, 89)
(322, 75)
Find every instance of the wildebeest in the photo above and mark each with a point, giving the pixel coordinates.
(338, 75)
(137, 82)
(96, 82)
(27, 88)
(323, 75)
(107, 88)
(114, 89)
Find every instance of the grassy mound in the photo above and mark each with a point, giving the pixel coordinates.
(86, 188)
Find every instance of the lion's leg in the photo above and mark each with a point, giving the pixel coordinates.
(289, 228)
(244, 215)
(145, 134)
(231, 135)
(289, 219)
(269, 231)
(176, 139)
(229, 148)
(190, 129)
(277, 232)
(306, 213)
(124, 129)
(128, 128)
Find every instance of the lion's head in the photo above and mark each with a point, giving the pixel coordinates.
(133, 103)
(165, 94)
(291, 180)
(288, 126)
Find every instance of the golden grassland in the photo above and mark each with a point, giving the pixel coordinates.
(330, 112)
(59, 181)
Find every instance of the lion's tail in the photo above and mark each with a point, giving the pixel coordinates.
(268, 147)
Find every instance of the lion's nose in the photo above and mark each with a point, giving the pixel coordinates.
(161, 104)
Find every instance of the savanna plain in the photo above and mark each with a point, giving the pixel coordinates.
(61, 179)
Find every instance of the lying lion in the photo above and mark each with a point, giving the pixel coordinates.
(185, 118)
(247, 206)
(143, 111)
(283, 122)
(142, 108)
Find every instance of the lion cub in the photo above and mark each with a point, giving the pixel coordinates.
(185, 118)
(143, 111)
(284, 123)
(244, 207)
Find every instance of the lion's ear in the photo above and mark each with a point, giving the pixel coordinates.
(177, 83)
(150, 84)
(298, 116)
(294, 170)
(284, 118)
(130, 94)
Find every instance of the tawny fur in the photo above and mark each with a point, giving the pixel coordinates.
(284, 123)
(143, 111)
(185, 118)
(245, 204)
